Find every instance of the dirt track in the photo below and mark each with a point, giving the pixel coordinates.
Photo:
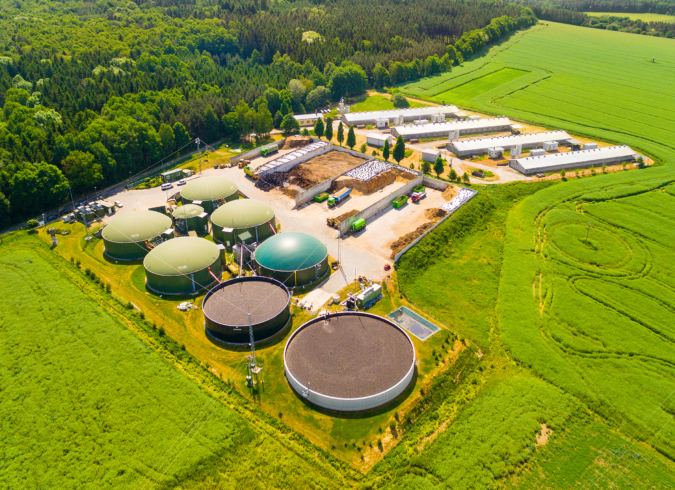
(323, 167)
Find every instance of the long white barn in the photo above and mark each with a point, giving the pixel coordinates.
(399, 116)
(452, 129)
(555, 162)
(482, 145)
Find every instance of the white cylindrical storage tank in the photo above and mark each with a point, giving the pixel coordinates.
(349, 361)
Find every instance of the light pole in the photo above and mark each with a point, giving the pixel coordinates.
(84, 219)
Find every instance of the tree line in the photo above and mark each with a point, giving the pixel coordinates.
(92, 93)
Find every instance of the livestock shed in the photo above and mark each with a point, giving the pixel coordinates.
(132, 235)
(305, 120)
(377, 140)
(480, 146)
(555, 162)
(430, 155)
(231, 222)
(229, 307)
(209, 192)
(293, 258)
(190, 217)
(349, 361)
(442, 130)
(184, 265)
(400, 116)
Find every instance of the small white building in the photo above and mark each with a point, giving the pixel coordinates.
(382, 123)
(495, 152)
(430, 154)
(550, 145)
(306, 120)
(589, 146)
(377, 140)
(537, 152)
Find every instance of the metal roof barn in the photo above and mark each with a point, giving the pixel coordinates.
(234, 218)
(482, 145)
(349, 361)
(183, 265)
(293, 258)
(209, 192)
(190, 217)
(377, 140)
(443, 129)
(229, 306)
(555, 162)
(127, 236)
(399, 116)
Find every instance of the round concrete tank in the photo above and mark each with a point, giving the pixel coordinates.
(293, 258)
(227, 308)
(349, 361)
(184, 265)
(209, 192)
(130, 236)
(190, 217)
(234, 221)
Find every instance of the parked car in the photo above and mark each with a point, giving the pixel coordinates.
(181, 182)
(119, 204)
(167, 186)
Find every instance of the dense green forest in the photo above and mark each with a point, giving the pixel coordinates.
(95, 92)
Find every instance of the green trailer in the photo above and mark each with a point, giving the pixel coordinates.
(321, 197)
(419, 188)
(358, 225)
(400, 201)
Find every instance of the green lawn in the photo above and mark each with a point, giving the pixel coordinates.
(88, 403)
(376, 103)
(592, 82)
(645, 17)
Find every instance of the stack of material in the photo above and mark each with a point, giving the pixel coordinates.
(462, 196)
(372, 169)
(271, 181)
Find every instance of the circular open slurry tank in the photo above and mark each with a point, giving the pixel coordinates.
(349, 361)
(227, 307)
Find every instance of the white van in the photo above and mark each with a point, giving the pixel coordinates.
(167, 186)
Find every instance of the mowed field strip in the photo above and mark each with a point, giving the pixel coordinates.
(602, 84)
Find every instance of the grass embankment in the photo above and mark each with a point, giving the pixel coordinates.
(590, 87)
(596, 316)
(93, 396)
(345, 437)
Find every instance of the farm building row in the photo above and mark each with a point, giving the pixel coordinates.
(482, 146)
(574, 159)
(383, 119)
(452, 129)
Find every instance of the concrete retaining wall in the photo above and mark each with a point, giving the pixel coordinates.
(256, 152)
(439, 185)
(417, 240)
(382, 205)
(286, 167)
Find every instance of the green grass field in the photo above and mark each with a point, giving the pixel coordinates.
(601, 84)
(88, 403)
(376, 103)
(645, 17)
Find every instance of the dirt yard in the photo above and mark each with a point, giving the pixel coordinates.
(323, 167)
(373, 185)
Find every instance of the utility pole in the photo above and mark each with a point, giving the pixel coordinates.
(198, 141)
(84, 219)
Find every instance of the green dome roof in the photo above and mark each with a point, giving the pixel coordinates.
(136, 226)
(290, 251)
(187, 211)
(209, 189)
(180, 256)
(242, 213)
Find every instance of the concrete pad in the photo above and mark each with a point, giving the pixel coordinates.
(316, 299)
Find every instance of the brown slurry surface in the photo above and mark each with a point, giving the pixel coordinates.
(232, 304)
(450, 193)
(296, 142)
(323, 167)
(349, 356)
(408, 238)
(435, 214)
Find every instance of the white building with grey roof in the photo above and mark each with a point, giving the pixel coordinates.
(480, 146)
(452, 129)
(400, 116)
(554, 162)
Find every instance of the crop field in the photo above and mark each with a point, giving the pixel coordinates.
(645, 17)
(587, 296)
(601, 84)
(88, 403)
(376, 103)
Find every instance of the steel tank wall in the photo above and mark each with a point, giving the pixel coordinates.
(260, 233)
(211, 206)
(125, 251)
(302, 277)
(194, 224)
(183, 284)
